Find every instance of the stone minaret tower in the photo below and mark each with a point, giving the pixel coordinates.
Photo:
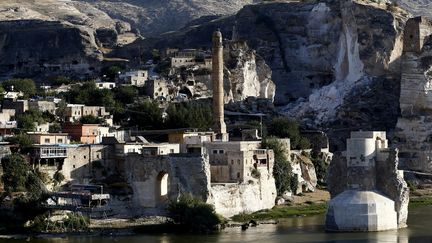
(218, 92)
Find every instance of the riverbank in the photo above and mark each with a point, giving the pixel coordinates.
(303, 208)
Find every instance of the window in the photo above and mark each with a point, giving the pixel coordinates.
(98, 156)
(215, 151)
(232, 161)
(238, 161)
(73, 165)
(221, 151)
(47, 140)
(85, 157)
(59, 140)
(172, 151)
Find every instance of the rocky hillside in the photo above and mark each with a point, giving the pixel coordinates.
(157, 16)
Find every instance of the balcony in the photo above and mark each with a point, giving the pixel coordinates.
(51, 152)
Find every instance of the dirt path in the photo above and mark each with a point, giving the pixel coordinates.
(318, 196)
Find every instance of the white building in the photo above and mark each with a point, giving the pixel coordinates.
(133, 78)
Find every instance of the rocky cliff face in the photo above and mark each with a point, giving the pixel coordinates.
(34, 46)
(152, 17)
(336, 64)
(246, 74)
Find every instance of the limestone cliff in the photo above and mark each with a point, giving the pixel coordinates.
(34, 46)
(246, 74)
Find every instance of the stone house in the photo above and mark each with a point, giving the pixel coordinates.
(136, 78)
(157, 88)
(78, 163)
(105, 85)
(190, 142)
(74, 112)
(42, 138)
(20, 106)
(84, 133)
(238, 161)
(43, 106)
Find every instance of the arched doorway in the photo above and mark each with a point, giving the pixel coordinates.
(162, 187)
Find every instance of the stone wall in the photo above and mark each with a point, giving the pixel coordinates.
(186, 174)
(247, 197)
(413, 130)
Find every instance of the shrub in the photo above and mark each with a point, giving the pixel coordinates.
(15, 171)
(286, 128)
(27, 86)
(194, 215)
(282, 170)
(319, 161)
(58, 177)
(255, 173)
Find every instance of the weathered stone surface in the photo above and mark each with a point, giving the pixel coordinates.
(337, 175)
(33, 46)
(304, 169)
(368, 191)
(186, 174)
(248, 197)
(189, 174)
(412, 134)
(391, 182)
(355, 210)
(247, 74)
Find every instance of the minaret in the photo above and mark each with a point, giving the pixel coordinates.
(218, 92)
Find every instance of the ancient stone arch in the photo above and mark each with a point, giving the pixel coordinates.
(162, 187)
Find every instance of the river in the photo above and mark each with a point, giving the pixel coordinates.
(303, 229)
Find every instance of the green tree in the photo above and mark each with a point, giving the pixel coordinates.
(111, 72)
(282, 170)
(15, 170)
(193, 214)
(27, 86)
(59, 80)
(286, 128)
(23, 140)
(27, 120)
(146, 115)
(55, 127)
(189, 115)
(90, 119)
(125, 94)
(89, 94)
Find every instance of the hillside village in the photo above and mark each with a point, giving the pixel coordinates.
(141, 139)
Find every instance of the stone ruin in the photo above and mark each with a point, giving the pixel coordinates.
(368, 191)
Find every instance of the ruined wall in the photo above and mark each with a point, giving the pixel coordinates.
(391, 182)
(186, 174)
(413, 134)
(247, 197)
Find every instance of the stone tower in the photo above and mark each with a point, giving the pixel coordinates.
(413, 133)
(218, 92)
(368, 192)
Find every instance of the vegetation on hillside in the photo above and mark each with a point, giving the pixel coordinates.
(27, 86)
(194, 215)
(282, 170)
(283, 127)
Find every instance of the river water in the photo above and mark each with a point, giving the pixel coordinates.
(303, 229)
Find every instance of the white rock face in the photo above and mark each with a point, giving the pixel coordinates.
(361, 211)
(247, 74)
(348, 73)
(232, 199)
